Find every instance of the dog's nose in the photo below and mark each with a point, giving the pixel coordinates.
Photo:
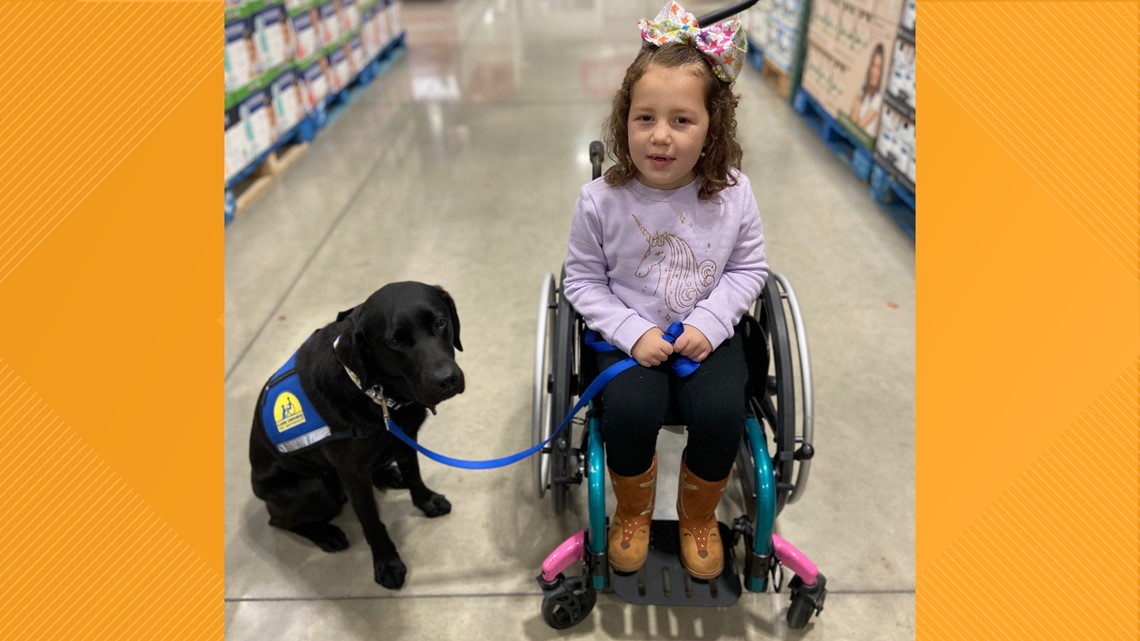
(449, 381)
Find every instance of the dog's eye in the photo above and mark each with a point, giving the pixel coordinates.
(394, 343)
(440, 323)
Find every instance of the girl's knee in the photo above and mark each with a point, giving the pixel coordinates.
(630, 417)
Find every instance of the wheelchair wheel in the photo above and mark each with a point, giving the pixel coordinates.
(799, 613)
(569, 604)
(541, 407)
(778, 315)
(553, 393)
(806, 600)
(564, 387)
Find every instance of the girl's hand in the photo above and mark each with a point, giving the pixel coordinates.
(651, 349)
(692, 343)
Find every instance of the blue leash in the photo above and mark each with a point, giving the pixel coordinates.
(683, 366)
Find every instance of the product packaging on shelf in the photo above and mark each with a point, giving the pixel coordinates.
(330, 24)
(357, 58)
(288, 104)
(847, 68)
(380, 18)
(340, 69)
(312, 49)
(907, 25)
(304, 35)
(788, 10)
(271, 36)
(368, 31)
(315, 83)
(239, 152)
(350, 13)
(394, 10)
(241, 61)
(756, 22)
(258, 121)
(780, 44)
(895, 146)
(900, 88)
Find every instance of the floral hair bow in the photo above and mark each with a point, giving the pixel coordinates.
(723, 43)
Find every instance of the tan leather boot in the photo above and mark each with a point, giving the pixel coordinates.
(702, 551)
(628, 538)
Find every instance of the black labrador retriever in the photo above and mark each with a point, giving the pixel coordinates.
(397, 348)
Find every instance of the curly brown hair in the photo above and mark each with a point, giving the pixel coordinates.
(721, 152)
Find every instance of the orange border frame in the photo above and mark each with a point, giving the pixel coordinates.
(111, 266)
(111, 273)
(1027, 264)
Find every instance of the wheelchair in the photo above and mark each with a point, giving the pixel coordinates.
(772, 467)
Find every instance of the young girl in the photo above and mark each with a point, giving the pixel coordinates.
(671, 233)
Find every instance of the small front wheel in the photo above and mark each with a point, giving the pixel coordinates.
(806, 601)
(799, 613)
(567, 605)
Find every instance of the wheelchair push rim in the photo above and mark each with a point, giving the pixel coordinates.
(563, 391)
(553, 393)
(807, 432)
(542, 402)
(778, 310)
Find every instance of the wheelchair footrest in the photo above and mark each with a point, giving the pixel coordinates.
(663, 580)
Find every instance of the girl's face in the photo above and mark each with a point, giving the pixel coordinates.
(668, 124)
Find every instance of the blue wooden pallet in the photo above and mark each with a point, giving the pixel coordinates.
(842, 142)
(894, 197)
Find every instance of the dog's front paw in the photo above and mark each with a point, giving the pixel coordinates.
(389, 477)
(333, 541)
(434, 505)
(390, 572)
(327, 536)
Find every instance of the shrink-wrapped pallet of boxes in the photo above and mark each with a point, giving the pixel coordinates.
(847, 63)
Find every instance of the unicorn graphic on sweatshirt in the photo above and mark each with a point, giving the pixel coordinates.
(686, 279)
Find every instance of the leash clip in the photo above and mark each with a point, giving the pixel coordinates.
(377, 396)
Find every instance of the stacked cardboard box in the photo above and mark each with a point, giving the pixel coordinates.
(783, 32)
(895, 146)
(755, 21)
(777, 27)
(847, 64)
(283, 58)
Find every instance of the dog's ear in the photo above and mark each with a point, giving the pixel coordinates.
(343, 315)
(454, 316)
(353, 352)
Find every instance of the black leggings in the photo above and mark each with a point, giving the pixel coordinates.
(710, 402)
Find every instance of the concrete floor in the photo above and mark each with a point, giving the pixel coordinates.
(460, 167)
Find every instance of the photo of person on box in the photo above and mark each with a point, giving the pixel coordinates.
(865, 109)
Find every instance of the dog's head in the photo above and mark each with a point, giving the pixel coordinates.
(404, 338)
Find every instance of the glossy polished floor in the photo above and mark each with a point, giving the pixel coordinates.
(460, 166)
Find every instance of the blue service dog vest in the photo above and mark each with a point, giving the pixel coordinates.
(291, 422)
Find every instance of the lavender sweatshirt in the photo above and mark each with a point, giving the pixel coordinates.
(641, 258)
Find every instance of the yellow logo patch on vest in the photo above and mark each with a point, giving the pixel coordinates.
(287, 411)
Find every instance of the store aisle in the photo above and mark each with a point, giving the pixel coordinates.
(460, 167)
